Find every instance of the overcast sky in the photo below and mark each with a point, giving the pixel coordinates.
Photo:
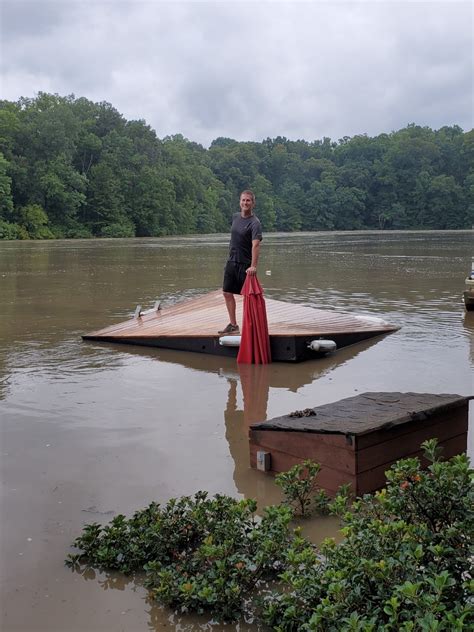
(249, 70)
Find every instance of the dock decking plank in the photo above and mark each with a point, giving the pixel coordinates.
(203, 316)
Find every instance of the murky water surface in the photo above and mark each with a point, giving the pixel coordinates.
(91, 430)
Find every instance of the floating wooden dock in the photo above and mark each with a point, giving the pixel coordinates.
(357, 439)
(192, 325)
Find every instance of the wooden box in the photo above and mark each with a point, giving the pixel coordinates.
(357, 439)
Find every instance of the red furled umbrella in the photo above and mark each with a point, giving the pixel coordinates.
(254, 342)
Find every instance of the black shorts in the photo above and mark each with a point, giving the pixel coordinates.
(234, 276)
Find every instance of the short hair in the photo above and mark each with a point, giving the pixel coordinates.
(249, 192)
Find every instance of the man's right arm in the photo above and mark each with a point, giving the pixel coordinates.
(252, 270)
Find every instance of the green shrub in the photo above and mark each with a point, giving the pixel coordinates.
(8, 230)
(199, 553)
(73, 230)
(301, 490)
(77, 232)
(405, 562)
(34, 220)
(118, 230)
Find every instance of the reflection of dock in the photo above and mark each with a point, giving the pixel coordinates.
(192, 325)
(355, 440)
(248, 393)
(289, 377)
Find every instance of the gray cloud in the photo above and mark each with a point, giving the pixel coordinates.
(24, 18)
(249, 70)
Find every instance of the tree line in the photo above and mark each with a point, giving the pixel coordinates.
(71, 168)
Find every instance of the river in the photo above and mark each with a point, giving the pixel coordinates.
(90, 430)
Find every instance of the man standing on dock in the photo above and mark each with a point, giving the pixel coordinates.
(244, 249)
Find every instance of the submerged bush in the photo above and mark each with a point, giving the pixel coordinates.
(199, 553)
(302, 492)
(300, 488)
(404, 565)
(405, 562)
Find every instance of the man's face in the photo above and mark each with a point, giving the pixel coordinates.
(246, 203)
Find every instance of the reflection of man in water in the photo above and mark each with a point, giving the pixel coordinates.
(254, 380)
(234, 424)
(244, 250)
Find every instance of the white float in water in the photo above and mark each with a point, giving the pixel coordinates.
(229, 341)
(322, 346)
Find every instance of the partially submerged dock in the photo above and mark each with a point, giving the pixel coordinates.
(193, 325)
(355, 440)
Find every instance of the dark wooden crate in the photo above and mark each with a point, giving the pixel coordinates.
(357, 439)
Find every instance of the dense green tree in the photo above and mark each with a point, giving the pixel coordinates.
(93, 173)
(33, 220)
(9, 126)
(6, 200)
(63, 192)
(320, 204)
(265, 202)
(469, 200)
(445, 197)
(288, 208)
(152, 203)
(105, 202)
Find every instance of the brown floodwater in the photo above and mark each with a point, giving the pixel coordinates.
(90, 430)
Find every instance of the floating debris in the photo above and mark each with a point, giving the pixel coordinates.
(307, 412)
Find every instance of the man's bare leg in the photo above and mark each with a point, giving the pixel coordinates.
(230, 304)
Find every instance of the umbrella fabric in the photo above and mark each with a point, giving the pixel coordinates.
(254, 342)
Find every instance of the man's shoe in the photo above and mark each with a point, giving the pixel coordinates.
(230, 329)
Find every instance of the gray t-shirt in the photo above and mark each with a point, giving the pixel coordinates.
(244, 230)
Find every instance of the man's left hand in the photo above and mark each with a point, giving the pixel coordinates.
(252, 271)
